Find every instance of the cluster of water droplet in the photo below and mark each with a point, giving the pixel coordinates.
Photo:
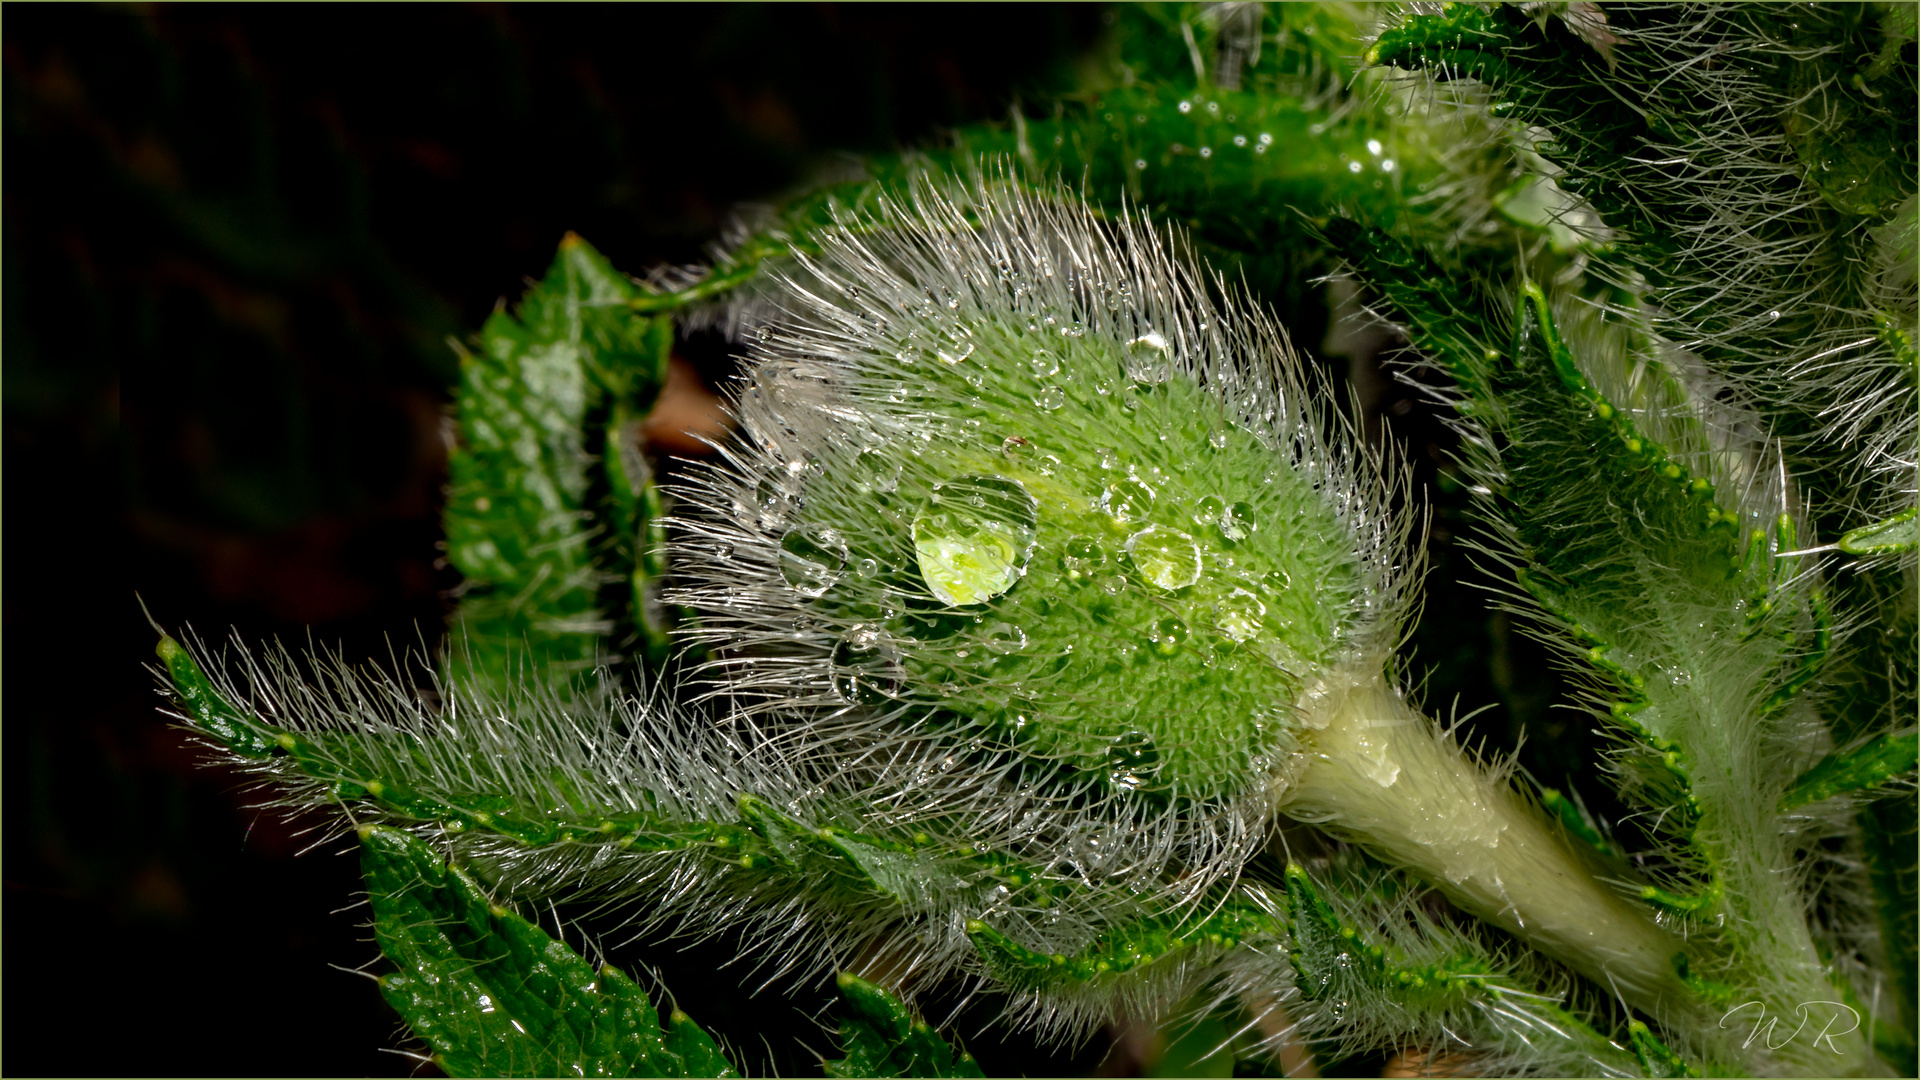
(1028, 501)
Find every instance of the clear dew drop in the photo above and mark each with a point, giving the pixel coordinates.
(1132, 762)
(1239, 614)
(1168, 635)
(1276, 581)
(1217, 440)
(973, 538)
(1004, 638)
(862, 667)
(1082, 557)
(1127, 500)
(812, 558)
(878, 473)
(958, 352)
(1236, 522)
(1208, 510)
(1044, 363)
(1050, 398)
(1107, 457)
(1168, 558)
(1148, 358)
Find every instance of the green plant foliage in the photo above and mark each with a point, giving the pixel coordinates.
(880, 1037)
(494, 995)
(1045, 576)
(551, 509)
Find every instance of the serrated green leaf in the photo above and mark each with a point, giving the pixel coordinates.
(880, 1037)
(1655, 1058)
(550, 507)
(494, 995)
(1864, 767)
(1897, 533)
(204, 708)
(1124, 947)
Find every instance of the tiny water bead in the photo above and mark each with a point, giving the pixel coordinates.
(812, 558)
(1004, 638)
(973, 538)
(1168, 558)
(1149, 360)
(1082, 558)
(1133, 762)
(1236, 522)
(1127, 500)
(877, 472)
(1168, 634)
(1239, 615)
(862, 670)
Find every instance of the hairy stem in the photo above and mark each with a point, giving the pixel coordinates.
(1376, 769)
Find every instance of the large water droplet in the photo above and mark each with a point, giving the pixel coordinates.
(1127, 500)
(1050, 398)
(1166, 557)
(1044, 363)
(1208, 510)
(1167, 635)
(1132, 762)
(1239, 614)
(811, 558)
(973, 538)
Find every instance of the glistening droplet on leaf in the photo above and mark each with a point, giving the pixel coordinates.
(862, 669)
(1236, 522)
(1082, 557)
(973, 538)
(1167, 635)
(1005, 638)
(812, 558)
(878, 472)
(1132, 761)
(1239, 614)
(1127, 500)
(1167, 558)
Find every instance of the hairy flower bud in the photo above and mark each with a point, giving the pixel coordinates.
(1026, 504)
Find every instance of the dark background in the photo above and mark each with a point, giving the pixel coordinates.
(236, 240)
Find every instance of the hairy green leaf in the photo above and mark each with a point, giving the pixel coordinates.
(881, 1037)
(494, 995)
(550, 505)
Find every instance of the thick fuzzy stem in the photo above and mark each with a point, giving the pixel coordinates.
(1373, 768)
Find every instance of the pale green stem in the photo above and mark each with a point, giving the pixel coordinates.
(1376, 770)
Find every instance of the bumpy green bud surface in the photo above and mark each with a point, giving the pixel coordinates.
(1029, 482)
